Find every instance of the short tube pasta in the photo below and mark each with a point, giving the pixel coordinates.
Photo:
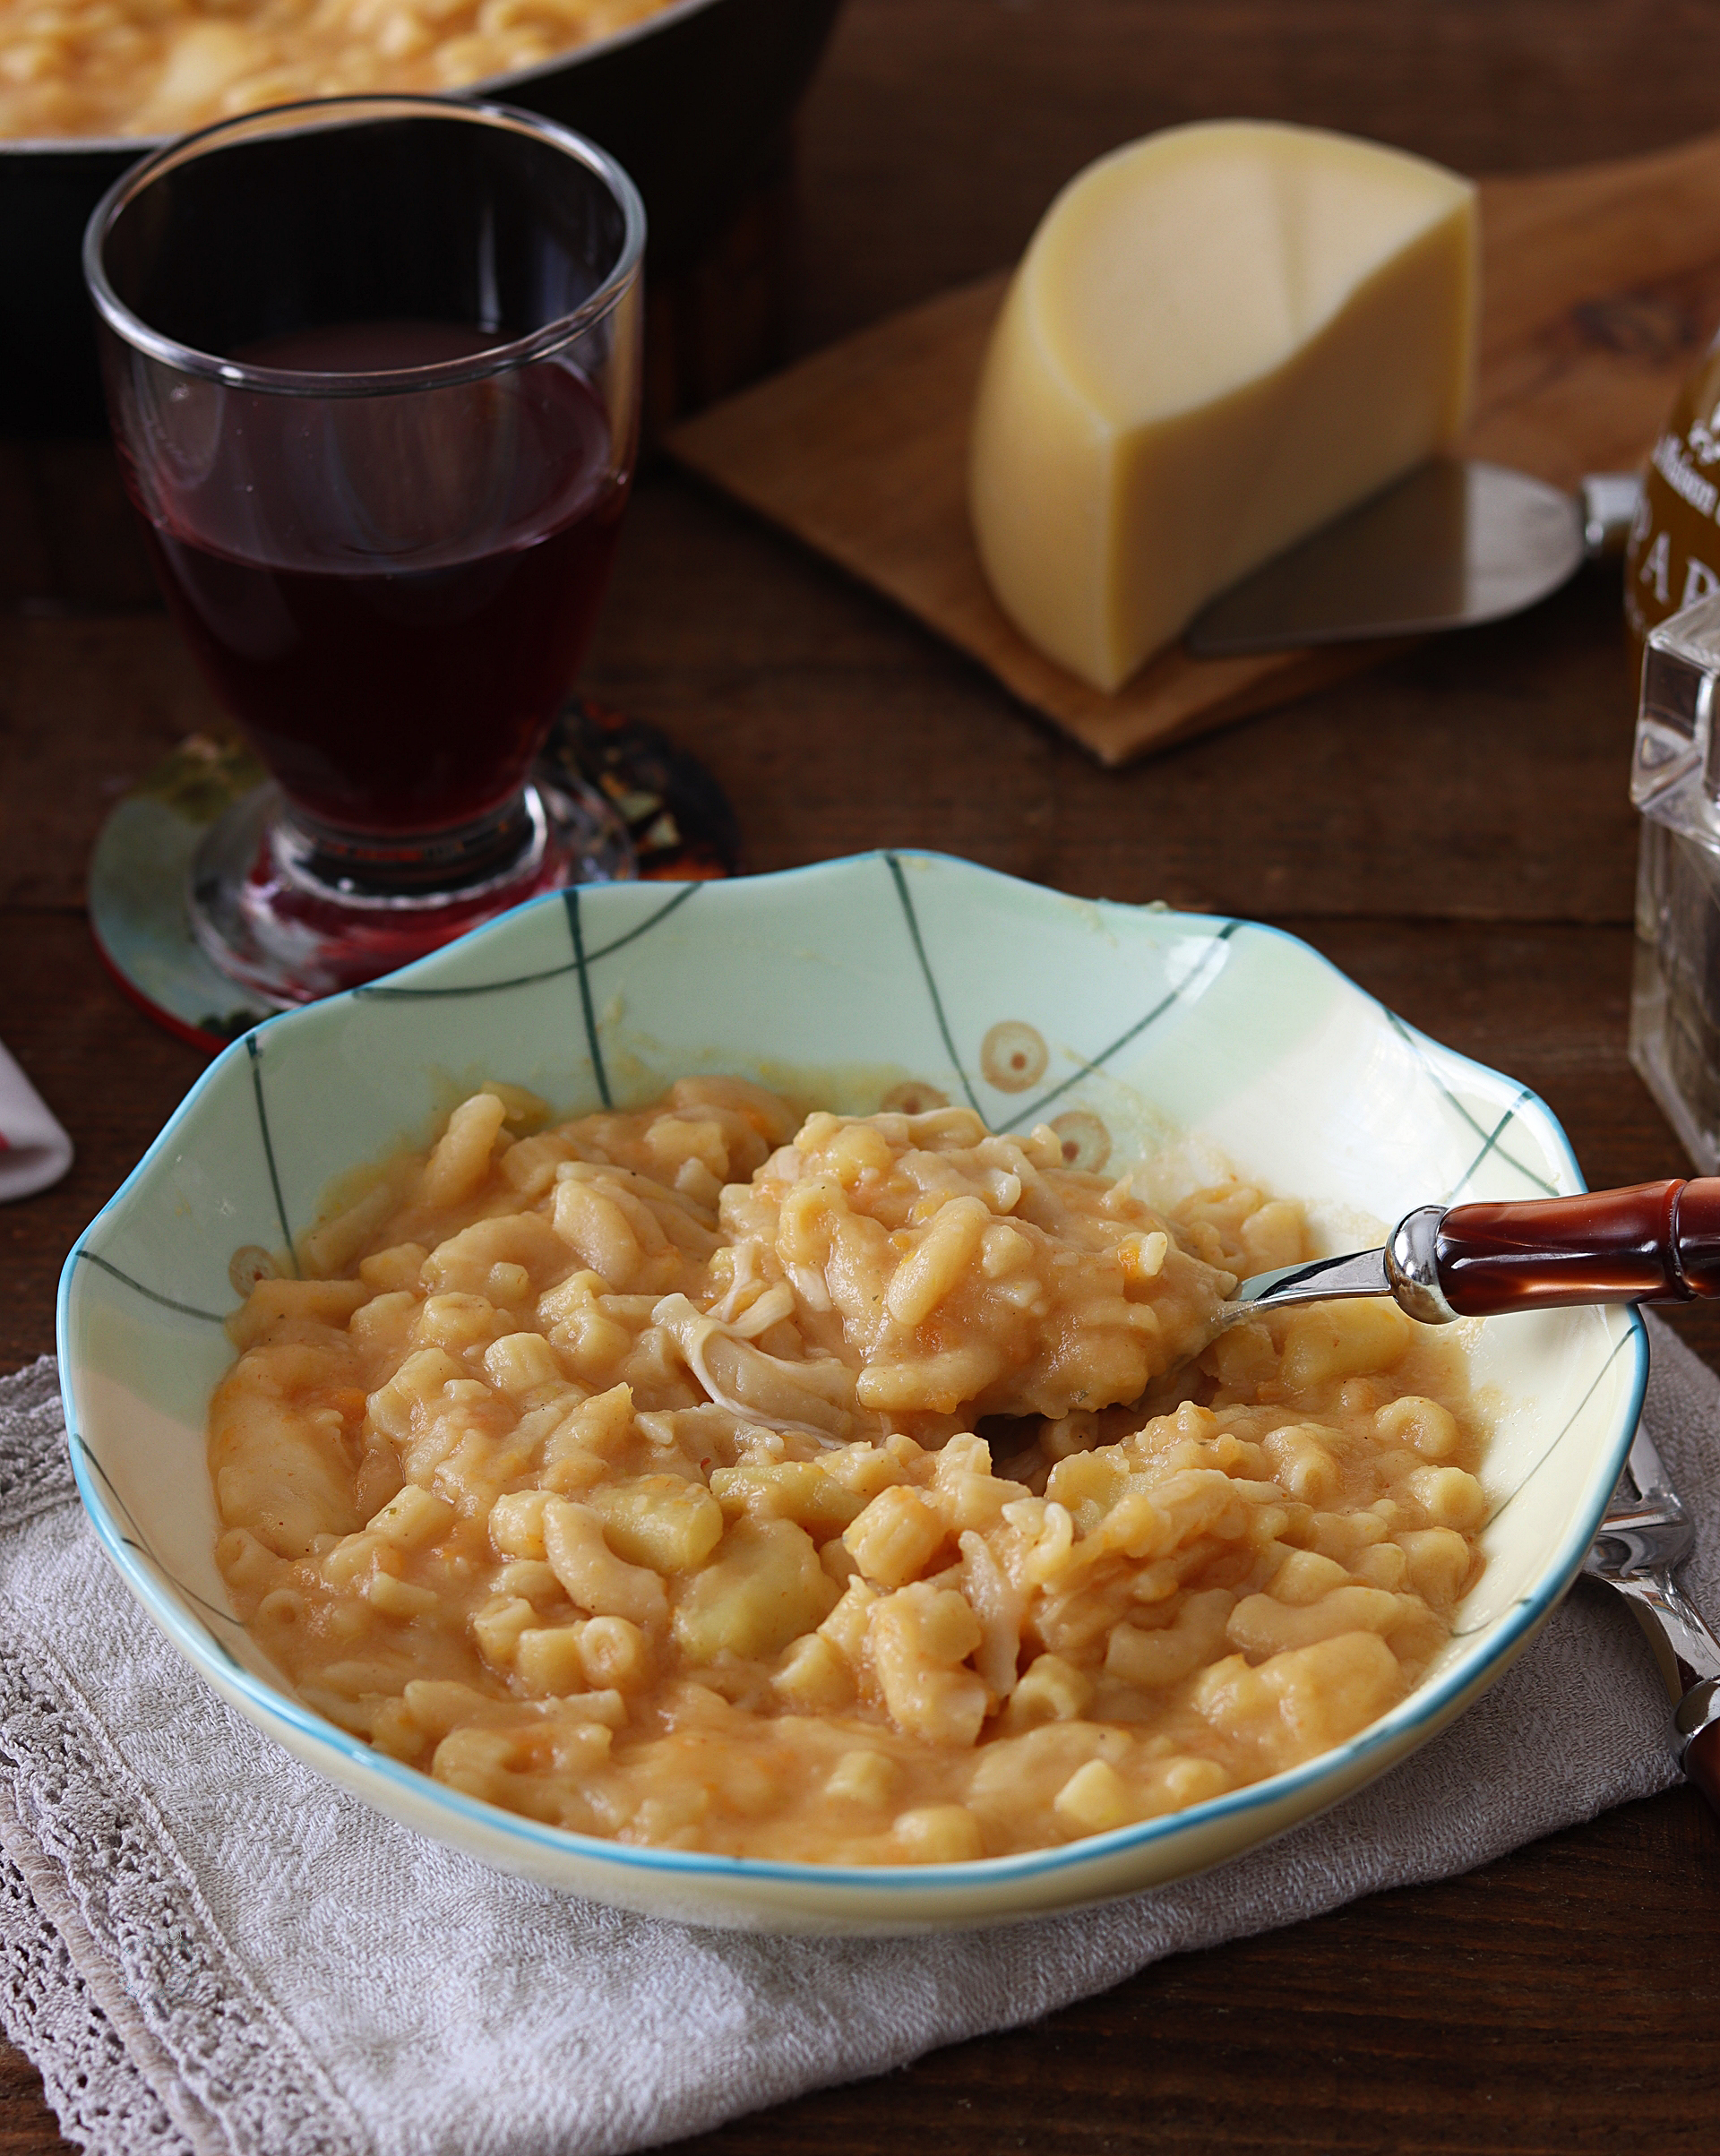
(143, 67)
(854, 1489)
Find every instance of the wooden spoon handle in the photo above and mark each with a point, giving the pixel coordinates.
(1654, 1242)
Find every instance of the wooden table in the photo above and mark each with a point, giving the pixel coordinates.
(1453, 832)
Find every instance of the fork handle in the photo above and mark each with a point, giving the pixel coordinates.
(1697, 1722)
(1702, 1763)
(1652, 1243)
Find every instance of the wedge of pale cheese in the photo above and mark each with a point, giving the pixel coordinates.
(1218, 337)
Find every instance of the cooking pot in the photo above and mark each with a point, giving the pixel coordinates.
(694, 101)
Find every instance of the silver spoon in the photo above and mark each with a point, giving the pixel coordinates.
(1651, 1242)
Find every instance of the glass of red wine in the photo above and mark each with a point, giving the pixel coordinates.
(373, 368)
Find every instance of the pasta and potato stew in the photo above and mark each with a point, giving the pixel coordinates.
(148, 67)
(847, 1489)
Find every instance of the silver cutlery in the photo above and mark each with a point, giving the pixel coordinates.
(1455, 543)
(1646, 1535)
(1651, 1242)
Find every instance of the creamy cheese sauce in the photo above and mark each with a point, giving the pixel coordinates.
(627, 1476)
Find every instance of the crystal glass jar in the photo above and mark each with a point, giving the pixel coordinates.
(1675, 783)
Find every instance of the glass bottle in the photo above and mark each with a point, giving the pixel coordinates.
(1675, 783)
(1673, 558)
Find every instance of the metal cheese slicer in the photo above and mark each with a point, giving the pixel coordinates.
(1651, 1242)
(1455, 543)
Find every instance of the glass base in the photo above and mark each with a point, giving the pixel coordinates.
(295, 915)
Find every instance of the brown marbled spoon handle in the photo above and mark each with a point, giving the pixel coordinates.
(1653, 1242)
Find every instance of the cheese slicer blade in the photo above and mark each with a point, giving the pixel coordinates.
(1455, 543)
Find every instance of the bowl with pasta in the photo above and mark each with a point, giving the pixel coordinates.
(707, 1396)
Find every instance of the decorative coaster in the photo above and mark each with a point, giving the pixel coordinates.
(680, 822)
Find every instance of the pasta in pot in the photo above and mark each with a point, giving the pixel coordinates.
(626, 1475)
(145, 67)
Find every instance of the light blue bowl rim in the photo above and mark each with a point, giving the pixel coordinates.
(1427, 1704)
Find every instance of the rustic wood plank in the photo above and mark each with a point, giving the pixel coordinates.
(27, 2126)
(1481, 775)
(111, 1077)
(1533, 2006)
(836, 725)
(1601, 286)
(861, 450)
(940, 129)
(67, 537)
(87, 706)
(1378, 2041)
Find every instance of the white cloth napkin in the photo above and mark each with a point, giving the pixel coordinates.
(207, 1949)
(34, 1151)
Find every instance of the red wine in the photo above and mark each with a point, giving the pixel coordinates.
(390, 594)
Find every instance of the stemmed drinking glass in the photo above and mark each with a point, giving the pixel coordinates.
(373, 367)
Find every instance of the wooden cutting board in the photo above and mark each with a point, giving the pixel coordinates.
(1600, 285)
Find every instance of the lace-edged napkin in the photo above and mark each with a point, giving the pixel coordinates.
(208, 1949)
(34, 1151)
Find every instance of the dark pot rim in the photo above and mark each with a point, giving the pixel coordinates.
(485, 90)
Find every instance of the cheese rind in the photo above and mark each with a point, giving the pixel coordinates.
(1218, 339)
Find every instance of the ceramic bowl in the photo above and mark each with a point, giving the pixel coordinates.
(1143, 1033)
